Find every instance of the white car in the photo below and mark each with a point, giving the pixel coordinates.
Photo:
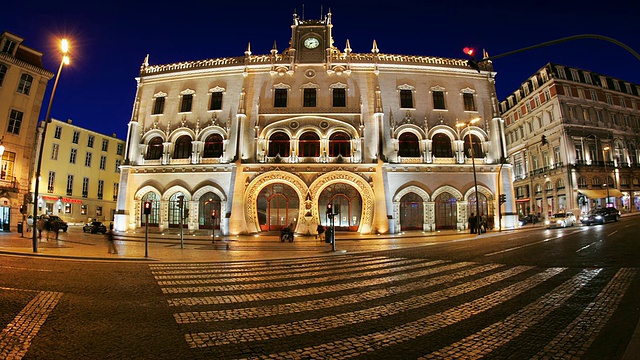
(564, 219)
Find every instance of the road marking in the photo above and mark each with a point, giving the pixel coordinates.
(587, 246)
(522, 246)
(238, 298)
(21, 268)
(16, 338)
(345, 348)
(315, 304)
(486, 340)
(215, 338)
(583, 330)
(613, 233)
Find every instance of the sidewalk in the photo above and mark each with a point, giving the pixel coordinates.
(168, 246)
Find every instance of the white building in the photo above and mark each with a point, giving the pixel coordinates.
(268, 140)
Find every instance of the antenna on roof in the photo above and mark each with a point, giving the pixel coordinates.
(320, 12)
(302, 11)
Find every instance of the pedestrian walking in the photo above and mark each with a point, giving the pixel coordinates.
(112, 245)
(40, 227)
(320, 234)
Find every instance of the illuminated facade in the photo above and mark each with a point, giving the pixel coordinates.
(568, 131)
(80, 173)
(23, 82)
(264, 141)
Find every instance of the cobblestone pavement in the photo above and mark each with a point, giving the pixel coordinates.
(373, 306)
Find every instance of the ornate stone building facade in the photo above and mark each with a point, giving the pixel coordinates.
(23, 82)
(263, 141)
(569, 133)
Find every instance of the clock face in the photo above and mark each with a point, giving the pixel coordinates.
(311, 43)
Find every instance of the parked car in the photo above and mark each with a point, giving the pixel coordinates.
(51, 221)
(564, 219)
(600, 216)
(95, 227)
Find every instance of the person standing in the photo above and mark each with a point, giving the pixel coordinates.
(473, 223)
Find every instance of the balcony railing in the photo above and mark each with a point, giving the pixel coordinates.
(9, 184)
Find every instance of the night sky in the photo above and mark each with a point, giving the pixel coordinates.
(109, 41)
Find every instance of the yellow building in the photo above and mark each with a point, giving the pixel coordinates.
(80, 173)
(23, 82)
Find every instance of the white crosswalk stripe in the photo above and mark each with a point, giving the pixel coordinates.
(352, 306)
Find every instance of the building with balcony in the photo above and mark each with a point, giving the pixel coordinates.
(572, 137)
(80, 173)
(255, 143)
(23, 82)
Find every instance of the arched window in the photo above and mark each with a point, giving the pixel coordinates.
(182, 147)
(408, 145)
(339, 144)
(309, 144)
(279, 144)
(441, 146)
(596, 181)
(213, 146)
(154, 149)
(477, 146)
(582, 182)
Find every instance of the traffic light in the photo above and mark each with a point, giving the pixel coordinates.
(213, 214)
(543, 139)
(503, 198)
(329, 209)
(473, 63)
(147, 207)
(23, 209)
(180, 201)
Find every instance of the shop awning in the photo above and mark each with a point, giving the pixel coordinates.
(600, 193)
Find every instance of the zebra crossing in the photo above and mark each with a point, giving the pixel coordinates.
(389, 307)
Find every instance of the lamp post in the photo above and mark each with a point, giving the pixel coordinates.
(606, 173)
(64, 46)
(473, 164)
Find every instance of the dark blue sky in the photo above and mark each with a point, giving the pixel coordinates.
(110, 40)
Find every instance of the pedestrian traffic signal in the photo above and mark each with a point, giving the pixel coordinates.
(23, 209)
(181, 201)
(147, 207)
(329, 209)
(503, 198)
(213, 214)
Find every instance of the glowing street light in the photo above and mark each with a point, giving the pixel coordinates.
(473, 164)
(64, 47)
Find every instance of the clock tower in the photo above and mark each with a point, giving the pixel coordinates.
(311, 39)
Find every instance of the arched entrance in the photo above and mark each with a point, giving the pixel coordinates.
(411, 212)
(208, 206)
(278, 206)
(446, 211)
(346, 201)
(154, 218)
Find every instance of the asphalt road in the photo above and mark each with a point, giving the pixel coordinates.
(539, 294)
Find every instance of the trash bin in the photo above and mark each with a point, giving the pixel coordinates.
(20, 227)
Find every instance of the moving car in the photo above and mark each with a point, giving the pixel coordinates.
(600, 216)
(95, 227)
(563, 219)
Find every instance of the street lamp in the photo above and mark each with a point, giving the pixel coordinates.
(64, 46)
(473, 164)
(606, 173)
